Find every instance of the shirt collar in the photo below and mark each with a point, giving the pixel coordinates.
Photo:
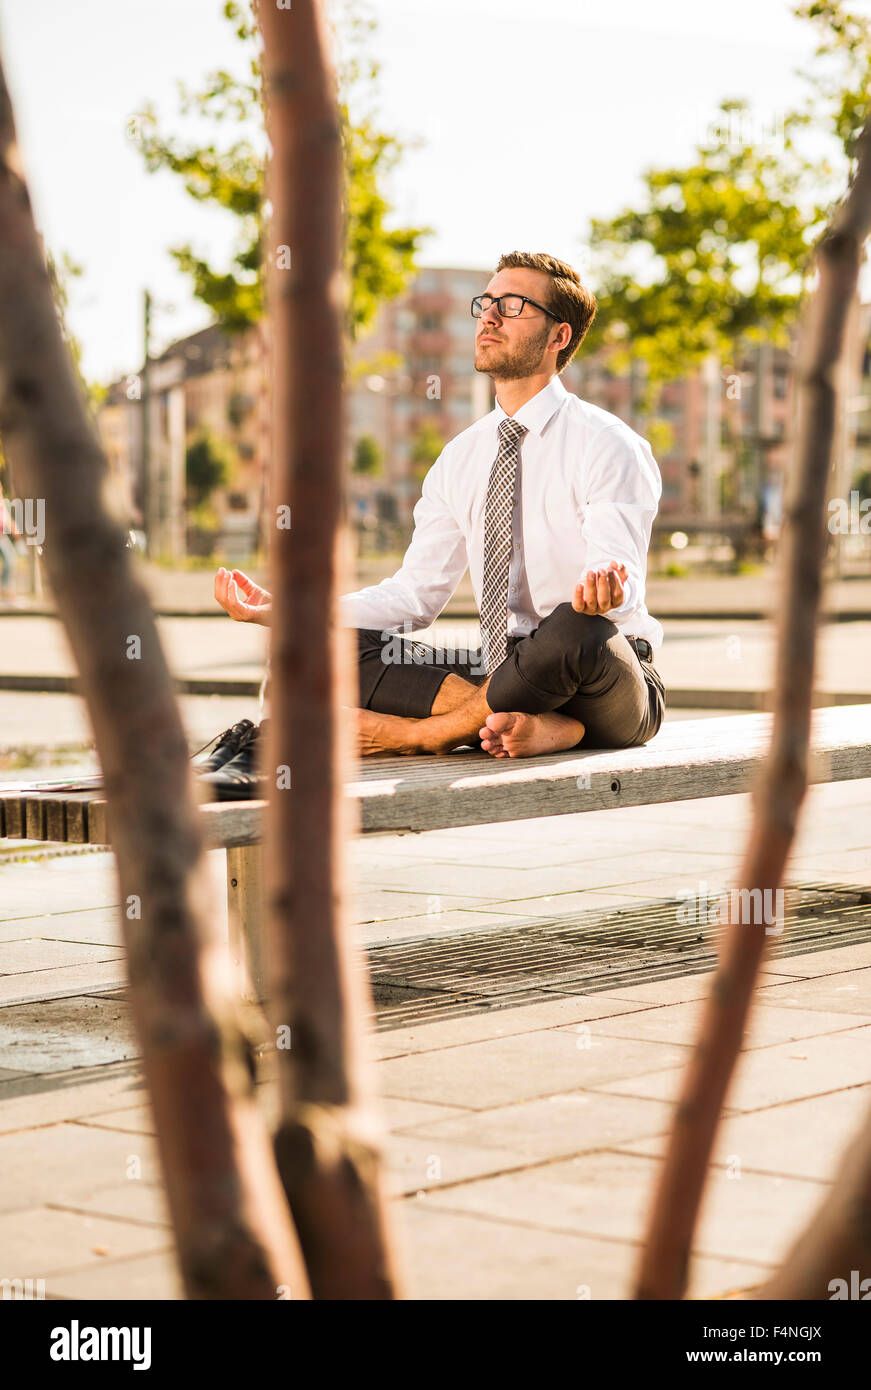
(535, 414)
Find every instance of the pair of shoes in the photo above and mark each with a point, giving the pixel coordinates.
(237, 778)
(228, 745)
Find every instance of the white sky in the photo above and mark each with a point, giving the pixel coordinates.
(532, 118)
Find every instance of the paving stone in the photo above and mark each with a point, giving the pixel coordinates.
(501, 1070)
(803, 1139)
(458, 1256)
(58, 885)
(498, 1023)
(137, 1120)
(384, 905)
(826, 962)
(774, 1075)
(36, 986)
(400, 1114)
(49, 1098)
(680, 989)
(147, 1277)
(433, 922)
(40, 1241)
(847, 992)
(589, 873)
(608, 1195)
(568, 904)
(21, 956)
(553, 1127)
(94, 926)
(60, 1034)
(413, 1164)
(679, 1023)
(130, 1200)
(61, 1163)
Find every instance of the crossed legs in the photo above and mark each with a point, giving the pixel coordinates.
(576, 678)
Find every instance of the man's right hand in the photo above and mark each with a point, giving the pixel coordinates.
(242, 598)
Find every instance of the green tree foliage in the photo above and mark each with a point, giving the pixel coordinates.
(840, 82)
(713, 253)
(367, 456)
(230, 175)
(209, 464)
(426, 445)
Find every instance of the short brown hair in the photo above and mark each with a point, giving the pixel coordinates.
(572, 301)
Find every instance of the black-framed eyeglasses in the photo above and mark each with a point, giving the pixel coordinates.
(508, 306)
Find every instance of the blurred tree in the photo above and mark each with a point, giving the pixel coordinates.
(713, 253)
(379, 259)
(841, 80)
(426, 445)
(367, 456)
(209, 463)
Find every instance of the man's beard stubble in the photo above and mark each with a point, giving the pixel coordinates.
(522, 362)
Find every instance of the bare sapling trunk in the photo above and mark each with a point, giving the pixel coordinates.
(326, 1143)
(782, 784)
(234, 1235)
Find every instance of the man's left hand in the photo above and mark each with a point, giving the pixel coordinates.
(600, 590)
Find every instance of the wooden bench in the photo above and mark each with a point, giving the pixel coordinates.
(687, 759)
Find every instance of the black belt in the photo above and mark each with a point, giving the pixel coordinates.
(643, 649)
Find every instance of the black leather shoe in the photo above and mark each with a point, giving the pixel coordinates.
(228, 745)
(239, 779)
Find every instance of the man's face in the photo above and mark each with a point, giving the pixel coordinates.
(510, 348)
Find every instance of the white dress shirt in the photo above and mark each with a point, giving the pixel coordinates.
(586, 492)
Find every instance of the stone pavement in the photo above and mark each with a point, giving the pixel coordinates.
(522, 1142)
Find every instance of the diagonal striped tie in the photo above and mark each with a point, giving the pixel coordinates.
(497, 545)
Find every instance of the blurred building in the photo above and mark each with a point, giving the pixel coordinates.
(211, 385)
(721, 434)
(414, 387)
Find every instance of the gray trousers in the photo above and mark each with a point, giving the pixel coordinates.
(575, 663)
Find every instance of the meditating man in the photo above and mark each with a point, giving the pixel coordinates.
(549, 500)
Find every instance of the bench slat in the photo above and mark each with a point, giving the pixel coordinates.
(34, 817)
(13, 817)
(687, 759)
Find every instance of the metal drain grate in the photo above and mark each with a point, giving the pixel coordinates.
(432, 978)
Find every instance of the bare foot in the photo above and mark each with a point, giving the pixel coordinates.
(385, 733)
(524, 735)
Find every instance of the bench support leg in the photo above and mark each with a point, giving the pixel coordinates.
(245, 915)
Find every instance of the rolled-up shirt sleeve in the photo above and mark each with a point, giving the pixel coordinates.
(623, 488)
(432, 567)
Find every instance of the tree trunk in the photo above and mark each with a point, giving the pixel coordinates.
(325, 1144)
(781, 788)
(234, 1236)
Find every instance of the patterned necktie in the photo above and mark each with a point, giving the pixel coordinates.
(497, 545)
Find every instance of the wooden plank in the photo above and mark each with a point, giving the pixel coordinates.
(55, 818)
(245, 916)
(34, 817)
(13, 817)
(75, 815)
(98, 823)
(686, 760)
(233, 823)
